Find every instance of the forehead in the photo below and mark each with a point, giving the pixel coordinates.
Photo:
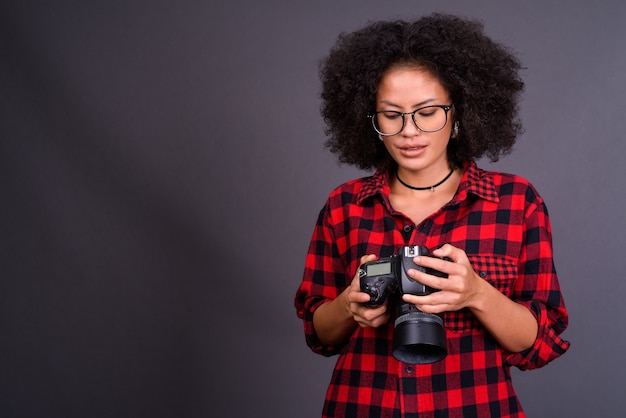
(410, 83)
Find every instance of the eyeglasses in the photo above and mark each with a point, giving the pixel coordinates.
(426, 119)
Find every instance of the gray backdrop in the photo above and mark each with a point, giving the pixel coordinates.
(162, 168)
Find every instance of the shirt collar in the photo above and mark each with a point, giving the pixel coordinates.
(474, 181)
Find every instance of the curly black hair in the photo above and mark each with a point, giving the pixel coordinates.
(480, 75)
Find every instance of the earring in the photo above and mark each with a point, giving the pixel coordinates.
(455, 129)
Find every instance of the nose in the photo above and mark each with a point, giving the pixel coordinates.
(410, 128)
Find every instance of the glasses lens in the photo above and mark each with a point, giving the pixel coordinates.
(431, 118)
(388, 122)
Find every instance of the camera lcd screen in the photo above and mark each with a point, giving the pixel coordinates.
(379, 269)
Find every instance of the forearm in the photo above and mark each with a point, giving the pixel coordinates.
(510, 323)
(333, 321)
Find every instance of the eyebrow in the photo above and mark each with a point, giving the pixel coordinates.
(415, 106)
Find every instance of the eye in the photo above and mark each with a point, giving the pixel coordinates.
(424, 113)
(391, 115)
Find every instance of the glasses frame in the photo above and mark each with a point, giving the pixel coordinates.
(446, 109)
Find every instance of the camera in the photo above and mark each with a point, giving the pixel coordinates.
(419, 337)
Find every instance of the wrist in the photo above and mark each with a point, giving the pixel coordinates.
(345, 304)
(479, 301)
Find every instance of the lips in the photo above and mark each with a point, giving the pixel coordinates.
(411, 150)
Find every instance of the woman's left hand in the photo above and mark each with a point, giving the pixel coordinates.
(510, 323)
(459, 290)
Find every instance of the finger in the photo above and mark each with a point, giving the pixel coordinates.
(420, 302)
(367, 258)
(413, 299)
(429, 279)
(420, 276)
(427, 303)
(372, 317)
(359, 297)
(434, 263)
(455, 254)
(432, 299)
(371, 314)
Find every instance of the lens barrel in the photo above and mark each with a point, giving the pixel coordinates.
(419, 338)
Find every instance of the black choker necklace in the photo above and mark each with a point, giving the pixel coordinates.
(432, 188)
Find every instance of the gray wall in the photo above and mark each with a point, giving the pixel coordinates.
(162, 168)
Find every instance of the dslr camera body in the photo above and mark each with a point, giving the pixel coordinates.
(419, 337)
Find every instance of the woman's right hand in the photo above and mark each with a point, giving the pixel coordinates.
(334, 321)
(363, 315)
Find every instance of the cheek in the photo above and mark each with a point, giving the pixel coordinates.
(444, 139)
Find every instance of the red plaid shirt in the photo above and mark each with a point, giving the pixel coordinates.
(502, 224)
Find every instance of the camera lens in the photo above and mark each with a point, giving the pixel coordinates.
(419, 337)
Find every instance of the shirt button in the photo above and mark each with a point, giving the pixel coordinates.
(408, 228)
(409, 369)
(483, 274)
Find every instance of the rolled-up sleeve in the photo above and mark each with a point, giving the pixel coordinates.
(537, 288)
(321, 282)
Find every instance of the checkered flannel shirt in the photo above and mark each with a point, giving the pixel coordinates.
(502, 224)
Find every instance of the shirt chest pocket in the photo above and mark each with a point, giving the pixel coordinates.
(500, 272)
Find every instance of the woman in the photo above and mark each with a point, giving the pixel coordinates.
(420, 102)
